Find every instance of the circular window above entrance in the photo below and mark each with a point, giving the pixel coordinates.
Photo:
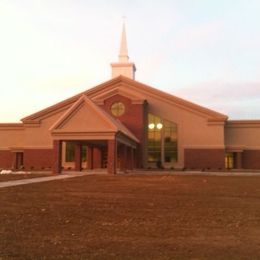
(118, 109)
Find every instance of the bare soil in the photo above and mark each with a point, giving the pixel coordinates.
(132, 217)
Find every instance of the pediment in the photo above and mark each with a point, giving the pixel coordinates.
(84, 116)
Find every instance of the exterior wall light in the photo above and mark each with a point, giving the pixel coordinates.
(159, 126)
(151, 126)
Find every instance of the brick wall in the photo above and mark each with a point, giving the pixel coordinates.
(38, 159)
(6, 159)
(204, 158)
(134, 119)
(251, 159)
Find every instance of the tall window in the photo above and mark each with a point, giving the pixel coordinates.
(154, 138)
(70, 152)
(229, 160)
(162, 140)
(84, 153)
(170, 142)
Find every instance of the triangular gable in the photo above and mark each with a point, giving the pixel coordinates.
(144, 90)
(84, 116)
(63, 105)
(140, 90)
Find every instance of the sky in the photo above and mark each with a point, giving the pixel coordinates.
(204, 51)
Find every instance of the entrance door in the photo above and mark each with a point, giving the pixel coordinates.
(19, 160)
(104, 158)
(84, 157)
(229, 160)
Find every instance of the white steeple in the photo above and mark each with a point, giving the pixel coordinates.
(123, 66)
(123, 55)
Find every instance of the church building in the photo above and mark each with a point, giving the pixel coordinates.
(122, 125)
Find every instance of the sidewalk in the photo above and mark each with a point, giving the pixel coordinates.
(199, 173)
(73, 174)
(40, 179)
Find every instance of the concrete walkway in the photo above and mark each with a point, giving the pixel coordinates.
(199, 173)
(41, 179)
(72, 174)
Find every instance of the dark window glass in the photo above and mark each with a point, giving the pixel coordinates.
(70, 152)
(84, 153)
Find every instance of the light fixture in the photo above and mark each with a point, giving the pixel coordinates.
(151, 126)
(159, 126)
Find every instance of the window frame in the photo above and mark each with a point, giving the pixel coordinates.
(118, 108)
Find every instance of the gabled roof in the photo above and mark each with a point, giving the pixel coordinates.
(143, 89)
(84, 116)
(63, 105)
(109, 86)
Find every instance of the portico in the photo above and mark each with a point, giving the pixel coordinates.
(109, 144)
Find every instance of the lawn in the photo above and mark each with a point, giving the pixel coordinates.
(132, 217)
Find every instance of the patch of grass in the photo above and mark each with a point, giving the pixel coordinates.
(132, 217)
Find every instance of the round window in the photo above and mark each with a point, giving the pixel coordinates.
(118, 109)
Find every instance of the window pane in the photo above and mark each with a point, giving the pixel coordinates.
(162, 133)
(229, 160)
(154, 139)
(84, 153)
(70, 152)
(170, 141)
(118, 109)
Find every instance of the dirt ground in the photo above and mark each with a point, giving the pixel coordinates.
(132, 217)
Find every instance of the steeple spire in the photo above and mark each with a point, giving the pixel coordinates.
(123, 66)
(123, 54)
